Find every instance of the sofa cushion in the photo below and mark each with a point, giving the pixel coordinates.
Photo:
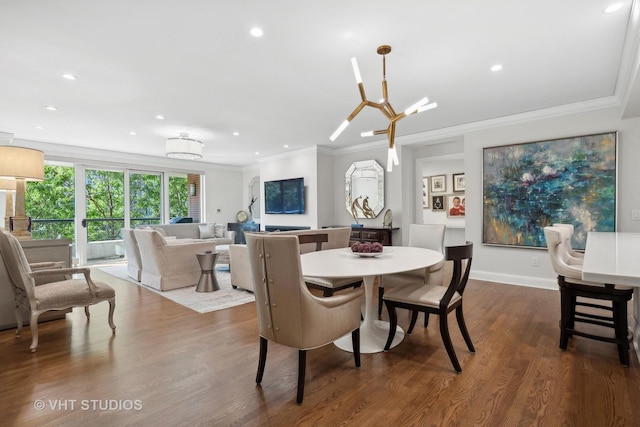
(219, 230)
(207, 231)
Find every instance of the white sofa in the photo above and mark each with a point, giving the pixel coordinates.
(217, 233)
(169, 265)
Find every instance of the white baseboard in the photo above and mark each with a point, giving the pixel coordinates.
(511, 279)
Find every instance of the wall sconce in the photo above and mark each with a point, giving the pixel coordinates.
(192, 189)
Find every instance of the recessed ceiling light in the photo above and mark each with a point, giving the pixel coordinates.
(256, 32)
(496, 67)
(286, 145)
(132, 133)
(613, 7)
(236, 133)
(69, 76)
(257, 152)
(160, 117)
(39, 127)
(50, 107)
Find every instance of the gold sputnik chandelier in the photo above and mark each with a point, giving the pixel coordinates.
(385, 107)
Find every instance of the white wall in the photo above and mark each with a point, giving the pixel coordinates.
(514, 265)
(303, 163)
(223, 195)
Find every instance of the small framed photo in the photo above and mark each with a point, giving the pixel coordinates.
(455, 205)
(458, 182)
(425, 192)
(437, 203)
(438, 183)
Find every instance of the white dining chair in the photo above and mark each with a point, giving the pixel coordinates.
(428, 236)
(577, 256)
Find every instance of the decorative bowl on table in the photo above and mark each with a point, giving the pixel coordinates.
(367, 249)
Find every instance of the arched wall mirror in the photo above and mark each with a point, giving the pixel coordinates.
(364, 189)
(254, 198)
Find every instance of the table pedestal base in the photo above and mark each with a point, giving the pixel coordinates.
(372, 339)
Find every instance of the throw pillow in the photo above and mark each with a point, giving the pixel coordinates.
(206, 231)
(219, 230)
(160, 230)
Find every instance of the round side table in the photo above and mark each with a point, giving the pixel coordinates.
(208, 281)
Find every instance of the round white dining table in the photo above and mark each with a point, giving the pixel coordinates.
(339, 263)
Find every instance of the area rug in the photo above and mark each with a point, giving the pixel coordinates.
(202, 302)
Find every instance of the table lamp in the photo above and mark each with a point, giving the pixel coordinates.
(9, 185)
(21, 164)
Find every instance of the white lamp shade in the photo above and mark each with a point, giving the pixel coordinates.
(21, 163)
(184, 148)
(7, 184)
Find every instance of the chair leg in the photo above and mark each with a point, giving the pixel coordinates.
(393, 324)
(620, 325)
(414, 319)
(448, 345)
(464, 330)
(426, 319)
(19, 322)
(380, 295)
(355, 342)
(112, 307)
(34, 331)
(565, 309)
(86, 312)
(302, 363)
(262, 359)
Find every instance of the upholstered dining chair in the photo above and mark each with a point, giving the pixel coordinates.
(577, 256)
(428, 236)
(57, 295)
(288, 313)
(612, 314)
(436, 299)
(327, 285)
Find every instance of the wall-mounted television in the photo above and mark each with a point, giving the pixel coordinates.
(285, 196)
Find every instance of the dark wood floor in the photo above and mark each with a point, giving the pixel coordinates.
(177, 367)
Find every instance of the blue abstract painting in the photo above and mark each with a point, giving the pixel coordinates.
(529, 186)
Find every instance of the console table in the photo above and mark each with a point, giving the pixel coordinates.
(372, 234)
(240, 228)
(35, 251)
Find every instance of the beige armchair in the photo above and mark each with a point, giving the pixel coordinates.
(56, 295)
(165, 265)
(288, 313)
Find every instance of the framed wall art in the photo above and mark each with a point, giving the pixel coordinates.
(458, 182)
(531, 185)
(438, 183)
(437, 203)
(456, 205)
(425, 192)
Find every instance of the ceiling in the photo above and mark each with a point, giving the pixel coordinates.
(195, 63)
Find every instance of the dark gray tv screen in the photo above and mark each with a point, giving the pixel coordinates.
(285, 196)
